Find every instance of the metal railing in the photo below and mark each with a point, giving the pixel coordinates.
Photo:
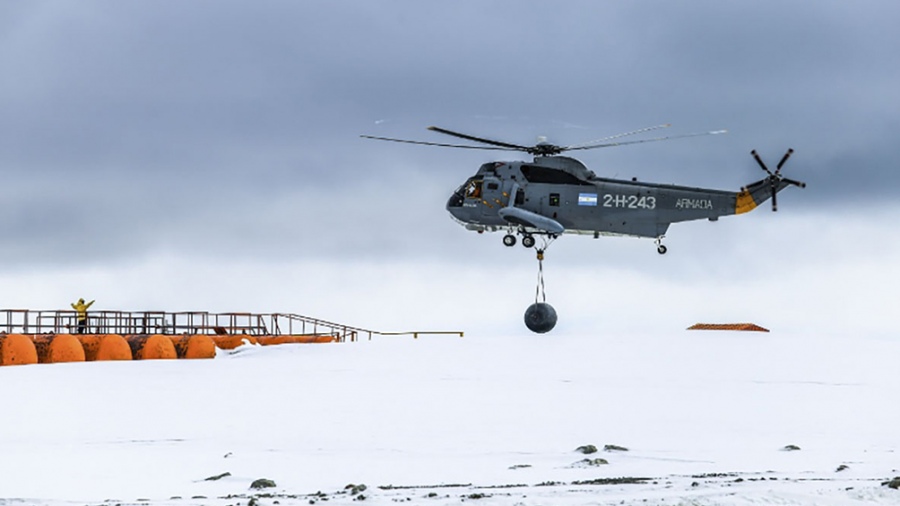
(27, 321)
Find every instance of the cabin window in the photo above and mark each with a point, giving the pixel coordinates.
(538, 174)
(520, 197)
(493, 186)
(554, 199)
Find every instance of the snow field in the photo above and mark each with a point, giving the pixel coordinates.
(711, 408)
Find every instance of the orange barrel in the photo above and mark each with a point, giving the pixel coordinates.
(104, 347)
(52, 349)
(194, 346)
(17, 349)
(232, 341)
(313, 338)
(151, 347)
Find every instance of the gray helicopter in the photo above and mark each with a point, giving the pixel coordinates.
(554, 195)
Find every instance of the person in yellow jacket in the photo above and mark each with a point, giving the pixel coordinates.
(81, 310)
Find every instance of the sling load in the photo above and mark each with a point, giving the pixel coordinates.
(540, 317)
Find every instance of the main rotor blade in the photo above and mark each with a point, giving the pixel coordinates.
(784, 159)
(439, 144)
(611, 137)
(611, 144)
(479, 139)
(794, 182)
(774, 197)
(760, 162)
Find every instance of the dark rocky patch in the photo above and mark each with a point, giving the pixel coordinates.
(625, 480)
(262, 483)
(586, 449)
(411, 487)
(355, 489)
(590, 463)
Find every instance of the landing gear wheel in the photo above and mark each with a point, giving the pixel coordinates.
(661, 249)
(509, 240)
(528, 241)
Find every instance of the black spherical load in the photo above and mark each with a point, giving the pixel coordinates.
(540, 317)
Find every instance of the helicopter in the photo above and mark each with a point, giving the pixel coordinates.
(554, 195)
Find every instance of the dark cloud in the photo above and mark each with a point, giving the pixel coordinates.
(130, 128)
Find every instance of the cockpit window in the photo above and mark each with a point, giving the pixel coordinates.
(473, 189)
(490, 167)
(538, 174)
(470, 189)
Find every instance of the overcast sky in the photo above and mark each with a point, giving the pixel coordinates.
(206, 155)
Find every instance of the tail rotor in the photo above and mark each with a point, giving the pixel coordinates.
(775, 177)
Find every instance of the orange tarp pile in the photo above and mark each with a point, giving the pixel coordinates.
(752, 327)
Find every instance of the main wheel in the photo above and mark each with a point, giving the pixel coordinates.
(528, 241)
(509, 240)
(661, 249)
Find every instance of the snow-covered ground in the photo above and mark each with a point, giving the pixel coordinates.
(705, 417)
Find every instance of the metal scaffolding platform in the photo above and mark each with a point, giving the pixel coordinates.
(27, 321)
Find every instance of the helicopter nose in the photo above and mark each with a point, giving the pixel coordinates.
(458, 213)
(455, 201)
(455, 207)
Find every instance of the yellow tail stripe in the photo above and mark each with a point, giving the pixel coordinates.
(744, 203)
